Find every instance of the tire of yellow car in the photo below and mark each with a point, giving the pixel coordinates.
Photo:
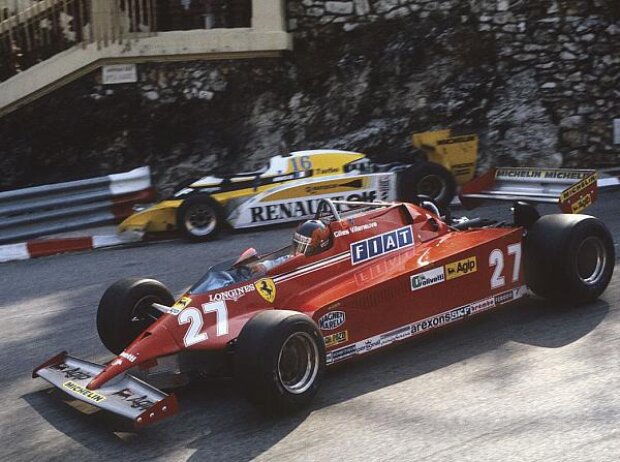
(429, 179)
(200, 217)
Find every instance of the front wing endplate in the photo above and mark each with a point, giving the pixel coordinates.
(125, 395)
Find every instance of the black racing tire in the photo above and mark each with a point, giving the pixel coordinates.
(125, 310)
(200, 217)
(280, 360)
(569, 258)
(428, 179)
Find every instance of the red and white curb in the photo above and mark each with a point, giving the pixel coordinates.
(45, 247)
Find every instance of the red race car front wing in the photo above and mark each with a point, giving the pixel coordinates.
(125, 395)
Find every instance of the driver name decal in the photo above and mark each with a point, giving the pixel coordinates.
(382, 244)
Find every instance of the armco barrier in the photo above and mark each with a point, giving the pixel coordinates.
(609, 179)
(43, 210)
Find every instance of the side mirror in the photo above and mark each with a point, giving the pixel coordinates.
(248, 254)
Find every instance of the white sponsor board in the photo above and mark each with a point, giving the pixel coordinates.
(119, 73)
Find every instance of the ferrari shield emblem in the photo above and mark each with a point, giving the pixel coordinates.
(266, 289)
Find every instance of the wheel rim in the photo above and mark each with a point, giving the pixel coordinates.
(298, 363)
(431, 185)
(200, 219)
(591, 260)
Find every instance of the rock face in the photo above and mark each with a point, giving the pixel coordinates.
(538, 81)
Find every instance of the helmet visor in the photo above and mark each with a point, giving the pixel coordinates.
(302, 244)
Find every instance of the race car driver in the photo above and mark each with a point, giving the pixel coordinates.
(311, 238)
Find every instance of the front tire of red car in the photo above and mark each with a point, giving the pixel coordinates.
(280, 360)
(125, 310)
(569, 258)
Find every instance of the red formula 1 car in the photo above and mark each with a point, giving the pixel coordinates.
(355, 280)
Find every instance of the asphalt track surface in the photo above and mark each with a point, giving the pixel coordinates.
(532, 382)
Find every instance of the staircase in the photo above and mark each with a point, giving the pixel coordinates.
(52, 42)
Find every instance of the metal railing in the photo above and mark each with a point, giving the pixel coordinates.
(32, 31)
(43, 210)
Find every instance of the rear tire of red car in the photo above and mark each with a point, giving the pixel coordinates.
(569, 258)
(125, 310)
(280, 360)
(427, 179)
(200, 217)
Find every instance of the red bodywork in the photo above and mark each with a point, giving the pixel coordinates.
(408, 288)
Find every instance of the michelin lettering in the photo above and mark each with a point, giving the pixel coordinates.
(83, 392)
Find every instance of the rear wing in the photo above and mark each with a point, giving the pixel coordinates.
(572, 190)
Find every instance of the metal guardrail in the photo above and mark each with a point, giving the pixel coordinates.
(42, 210)
(609, 179)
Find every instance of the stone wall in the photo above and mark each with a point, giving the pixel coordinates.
(557, 67)
(539, 81)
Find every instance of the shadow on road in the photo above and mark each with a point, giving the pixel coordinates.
(215, 423)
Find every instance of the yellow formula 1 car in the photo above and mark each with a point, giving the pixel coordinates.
(289, 188)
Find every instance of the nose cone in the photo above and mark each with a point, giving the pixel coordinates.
(155, 342)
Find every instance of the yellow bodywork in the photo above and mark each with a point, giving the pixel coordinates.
(458, 154)
(156, 219)
(162, 216)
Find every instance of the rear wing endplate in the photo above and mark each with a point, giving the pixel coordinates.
(572, 190)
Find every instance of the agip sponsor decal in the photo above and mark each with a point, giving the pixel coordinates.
(427, 278)
(136, 401)
(84, 392)
(332, 320)
(382, 244)
(461, 268)
(70, 372)
(266, 288)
